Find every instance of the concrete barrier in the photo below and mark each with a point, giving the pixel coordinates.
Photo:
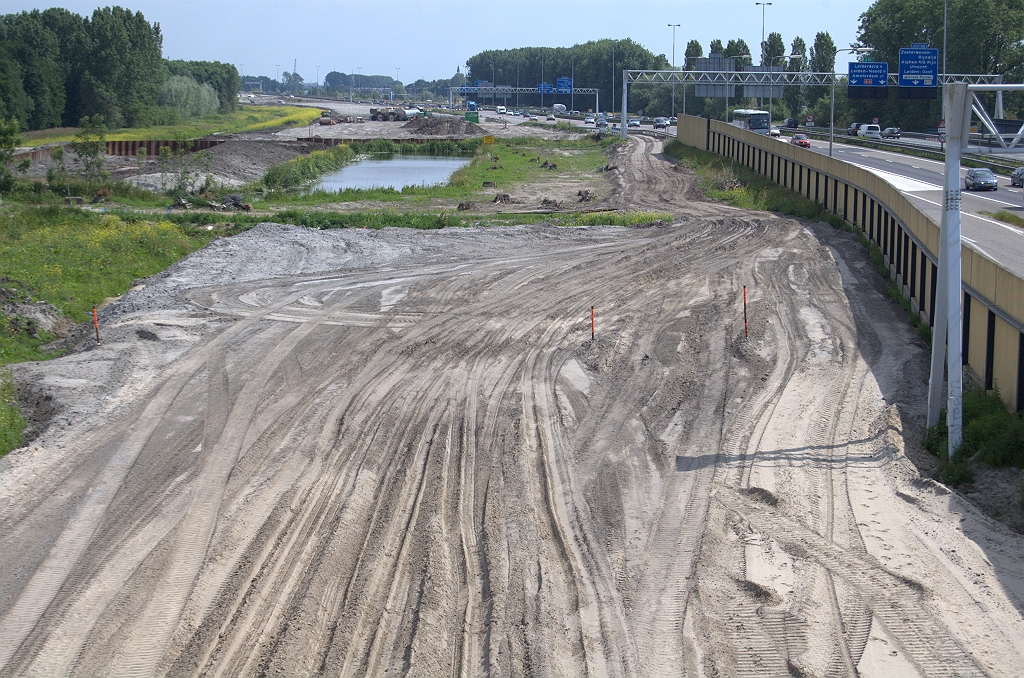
(993, 343)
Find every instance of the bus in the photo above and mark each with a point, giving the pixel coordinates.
(758, 122)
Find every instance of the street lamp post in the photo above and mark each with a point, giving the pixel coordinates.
(763, 51)
(832, 114)
(674, 27)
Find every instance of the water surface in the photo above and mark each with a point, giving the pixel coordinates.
(396, 171)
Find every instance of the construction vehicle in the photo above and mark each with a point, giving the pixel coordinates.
(393, 113)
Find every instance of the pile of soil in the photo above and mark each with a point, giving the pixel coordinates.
(444, 126)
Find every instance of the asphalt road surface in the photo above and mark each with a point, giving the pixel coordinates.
(921, 180)
(351, 452)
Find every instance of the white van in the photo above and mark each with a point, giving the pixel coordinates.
(500, 110)
(870, 131)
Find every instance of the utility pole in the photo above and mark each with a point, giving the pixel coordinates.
(277, 77)
(674, 27)
(318, 80)
(613, 86)
(572, 76)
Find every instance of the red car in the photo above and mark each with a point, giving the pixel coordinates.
(800, 140)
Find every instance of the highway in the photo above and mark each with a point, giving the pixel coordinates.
(921, 180)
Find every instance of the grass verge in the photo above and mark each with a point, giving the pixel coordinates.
(73, 259)
(1006, 217)
(991, 435)
(244, 119)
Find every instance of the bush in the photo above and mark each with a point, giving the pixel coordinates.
(188, 97)
(991, 435)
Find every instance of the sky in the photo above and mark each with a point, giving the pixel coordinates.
(430, 39)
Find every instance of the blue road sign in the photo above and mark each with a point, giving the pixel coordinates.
(873, 74)
(563, 85)
(545, 88)
(919, 67)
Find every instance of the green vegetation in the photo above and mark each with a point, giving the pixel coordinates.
(57, 67)
(1006, 217)
(76, 258)
(505, 163)
(244, 119)
(376, 219)
(11, 421)
(991, 435)
(740, 187)
(73, 259)
(306, 168)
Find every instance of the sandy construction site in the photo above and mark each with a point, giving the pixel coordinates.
(357, 452)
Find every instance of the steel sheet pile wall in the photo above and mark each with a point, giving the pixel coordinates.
(909, 240)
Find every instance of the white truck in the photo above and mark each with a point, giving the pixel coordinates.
(558, 109)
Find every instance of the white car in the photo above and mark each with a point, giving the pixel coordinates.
(774, 131)
(589, 120)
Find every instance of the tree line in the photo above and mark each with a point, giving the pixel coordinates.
(983, 37)
(57, 67)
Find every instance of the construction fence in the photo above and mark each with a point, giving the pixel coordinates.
(993, 298)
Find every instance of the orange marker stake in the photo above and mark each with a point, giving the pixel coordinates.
(591, 323)
(745, 311)
(96, 324)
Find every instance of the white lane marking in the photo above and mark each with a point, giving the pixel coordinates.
(900, 182)
(1001, 202)
(1009, 228)
(977, 247)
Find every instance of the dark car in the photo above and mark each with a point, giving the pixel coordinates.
(853, 129)
(890, 133)
(980, 179)
(1017, 178)
(791, 123)
(801, 140)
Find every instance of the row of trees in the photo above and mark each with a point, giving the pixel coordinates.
(984, 36)
(57, 67)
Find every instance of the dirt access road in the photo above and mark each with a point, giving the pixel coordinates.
(355, 452)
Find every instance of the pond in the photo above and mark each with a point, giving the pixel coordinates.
(396, 171)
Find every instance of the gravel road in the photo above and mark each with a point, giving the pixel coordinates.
(361, 452)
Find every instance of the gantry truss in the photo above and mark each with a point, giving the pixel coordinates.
(777, 77)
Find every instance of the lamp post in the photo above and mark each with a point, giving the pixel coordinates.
(674, 27)
(763, 5)
(832, 114)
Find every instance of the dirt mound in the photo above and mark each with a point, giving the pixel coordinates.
(446, 126)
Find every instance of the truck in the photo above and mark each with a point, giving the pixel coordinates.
(558, 109)
(392, 113)
(470, 105)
